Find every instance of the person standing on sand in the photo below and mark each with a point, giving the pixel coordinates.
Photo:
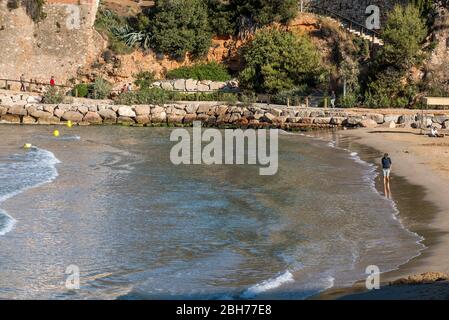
(386, 167)
(52, 81)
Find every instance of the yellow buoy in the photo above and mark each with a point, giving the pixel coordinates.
(56, 133)
(27, 146)
(69, 124)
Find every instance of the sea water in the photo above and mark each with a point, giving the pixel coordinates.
(108, 201)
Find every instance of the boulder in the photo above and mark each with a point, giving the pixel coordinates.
(93, 118)
(391, 117)
(38, 114)
(191, 108)
(126, 111)
(10, 118)
(49, 120)
(143, 119)
(379, 118)
(167, 85)
(82, 109)
(34, 99)
(368, 123)
(179, 84)
(189, 118)
(17, 110)
(203, 108)
(322, 120)
(275, 112)
(142, 110)
(3, 110)
(73, 116)
(28, 120)
(214, 86)
(157, 110)
(160, 117)
(191, 85)
(317, 114)
(108, 115)
(124, 120)
(440, 119)
(338, 121)
(174, 119)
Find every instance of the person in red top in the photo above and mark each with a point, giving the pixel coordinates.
(52, 81)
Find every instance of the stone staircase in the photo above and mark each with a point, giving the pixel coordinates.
(349, 25)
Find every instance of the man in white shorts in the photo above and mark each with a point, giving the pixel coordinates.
(386, 167)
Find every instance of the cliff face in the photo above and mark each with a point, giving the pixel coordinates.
(59, 45)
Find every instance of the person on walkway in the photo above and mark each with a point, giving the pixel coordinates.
(22, 82)
(386, 168)
(333, 99)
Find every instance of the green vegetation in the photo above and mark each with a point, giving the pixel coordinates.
(277, 61)
(203, 71)
(179, 27)
(403, 34)
(54, 95)
(144, 79)
(81, 90)
(101, 89)
(108, 23)
(157, 95)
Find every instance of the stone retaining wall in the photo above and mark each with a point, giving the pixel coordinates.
(217, 115)
(190, 85)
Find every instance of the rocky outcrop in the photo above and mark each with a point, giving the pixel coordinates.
(57, 46)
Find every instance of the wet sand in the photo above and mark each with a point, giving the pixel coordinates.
(423, 164)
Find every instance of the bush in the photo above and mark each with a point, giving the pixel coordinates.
(144, 79)
(101, 89)
(54, 95)
(160, 96)
(205, 71)
(403, 35)
(179, 27)
(81, 90)
(106, 23)
(144, 96)
(277, 61)
(349, 101)
(294, 96)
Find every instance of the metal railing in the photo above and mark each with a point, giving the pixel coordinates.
(349, 23)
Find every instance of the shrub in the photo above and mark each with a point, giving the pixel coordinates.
(101, 89)
(351, 100)
(144, 96)
(81, 90)
(179, 27)
(277, 61)
(144, 79)
(205, 71)
(294, 96)
(403, 35)
(107, 22)
(54, 95)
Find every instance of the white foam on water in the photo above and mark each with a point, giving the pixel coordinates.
(9, 224)
(35, 158)
(268, 285)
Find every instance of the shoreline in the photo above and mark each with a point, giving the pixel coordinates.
(415, 164)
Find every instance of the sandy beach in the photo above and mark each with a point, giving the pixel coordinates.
(421, 161)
